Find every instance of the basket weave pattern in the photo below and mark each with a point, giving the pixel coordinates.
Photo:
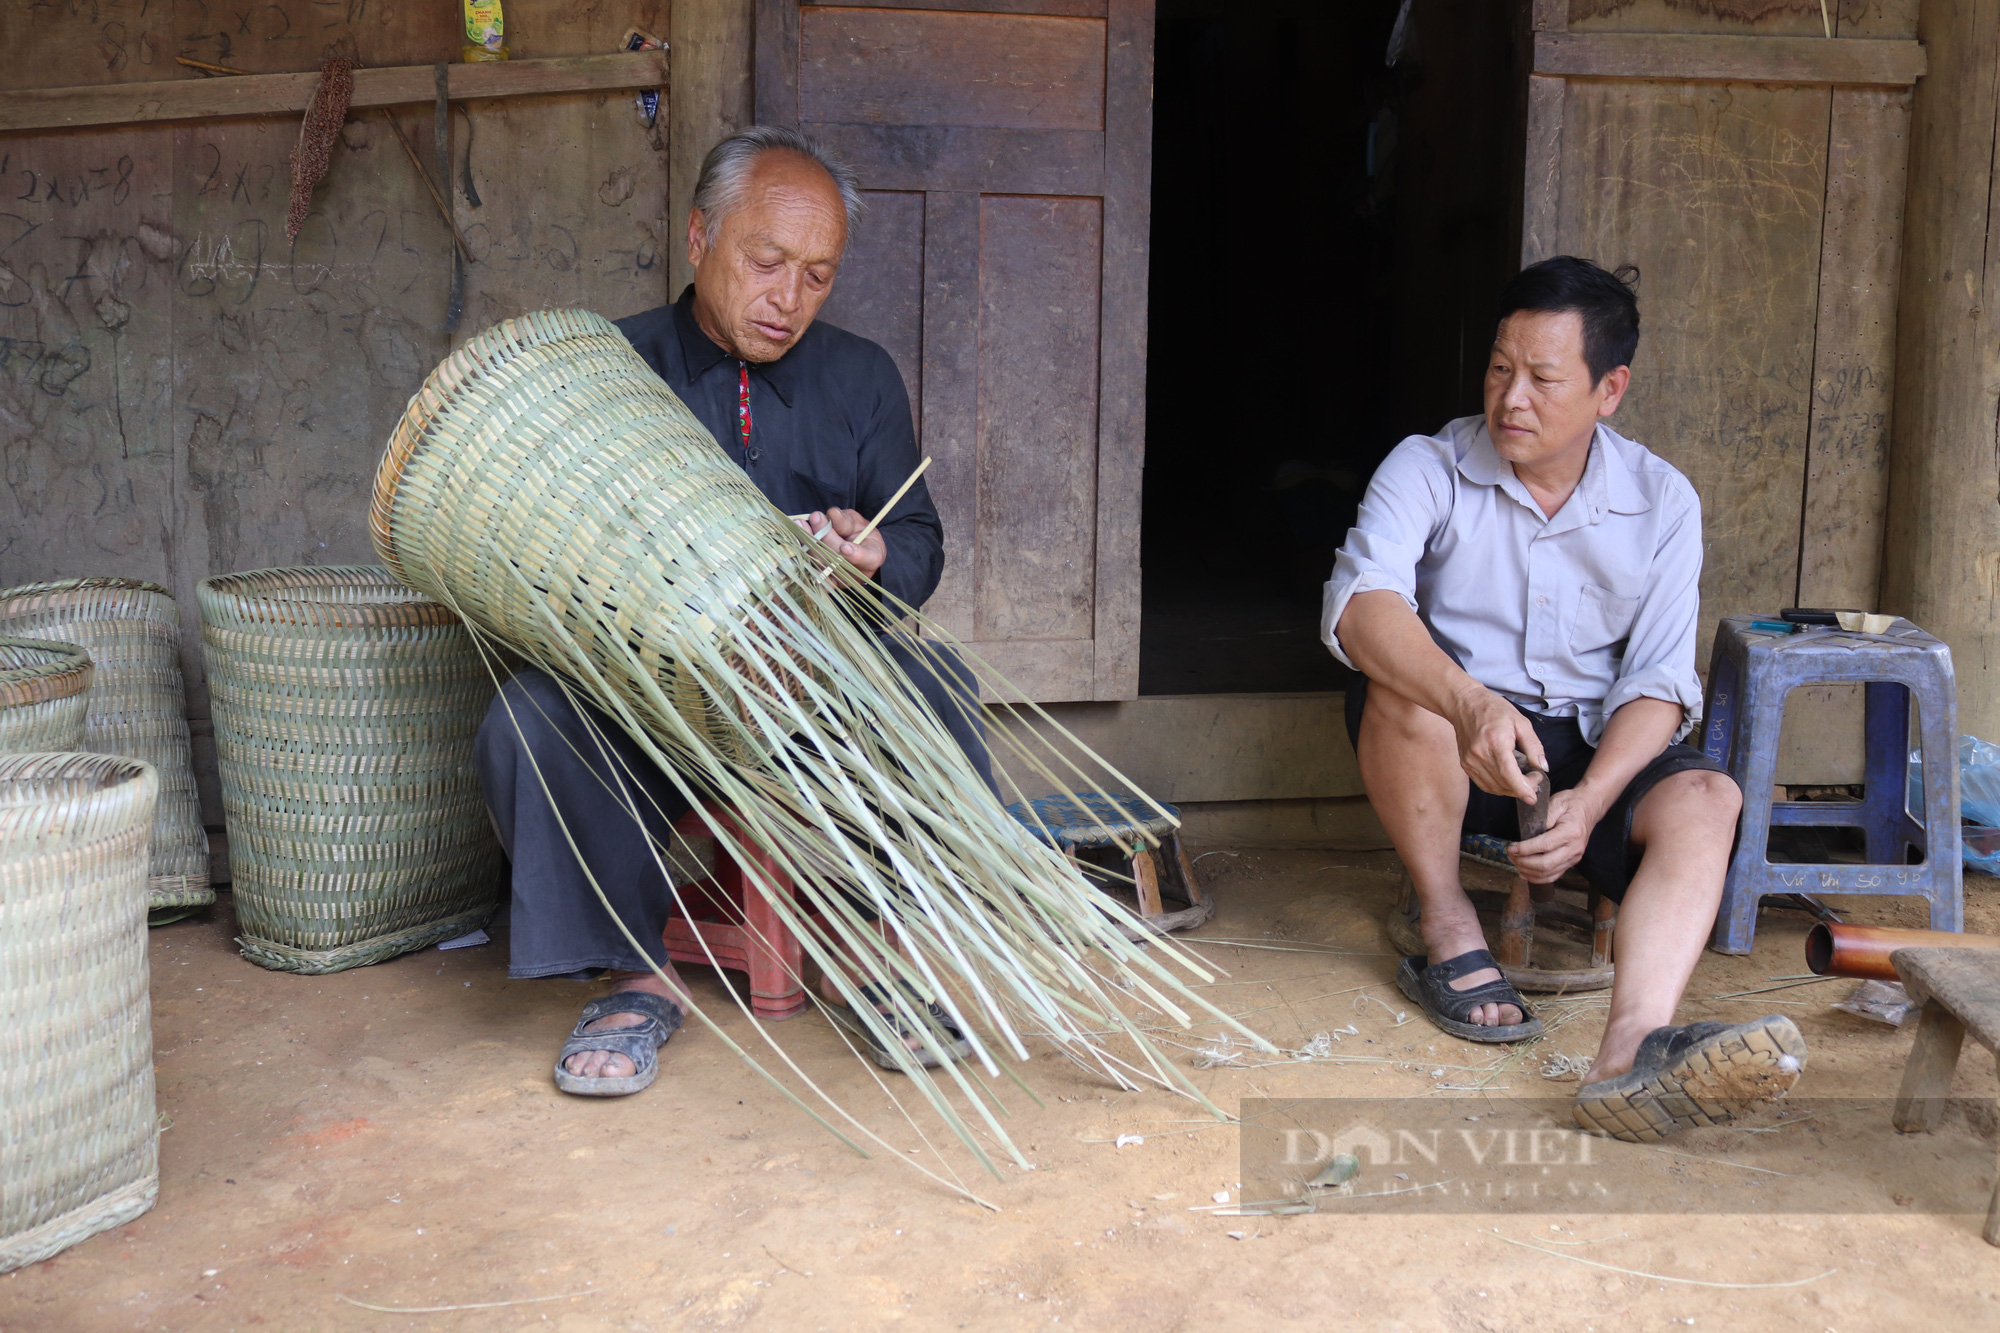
(345, 711)
(78, 1132)
(138, 705)
(605, 478)
(44, 694)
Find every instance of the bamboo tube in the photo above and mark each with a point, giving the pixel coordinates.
(1864, 951)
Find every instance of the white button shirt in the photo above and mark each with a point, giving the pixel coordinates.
(1570, 616)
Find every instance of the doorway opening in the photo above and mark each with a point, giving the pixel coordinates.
(1335, 205)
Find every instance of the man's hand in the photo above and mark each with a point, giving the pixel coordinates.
(1544, 860)
(847, 523)
(1489, 731)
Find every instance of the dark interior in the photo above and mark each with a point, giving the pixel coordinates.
(1335, 205)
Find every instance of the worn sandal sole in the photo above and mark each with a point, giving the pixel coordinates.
(580, 1086)
(846, 1017)
(1406, 981)
(1709, 1084)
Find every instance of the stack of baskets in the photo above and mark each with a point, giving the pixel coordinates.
(44, 691)
(78, 1129)
(345, 707)
(138, 708)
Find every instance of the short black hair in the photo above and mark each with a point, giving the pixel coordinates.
(1604, 299)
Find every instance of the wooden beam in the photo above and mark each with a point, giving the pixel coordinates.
(289, 94)
(1709, 58)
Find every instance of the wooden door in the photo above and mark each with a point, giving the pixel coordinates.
(1005, 147)
(1751, 164)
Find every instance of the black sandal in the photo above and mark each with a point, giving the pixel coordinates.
(639, 1043)
(939, 1029)
(1430, 989)
(1700, 1074)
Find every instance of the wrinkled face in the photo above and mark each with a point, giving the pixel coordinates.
(1540, 401)
(771, 268)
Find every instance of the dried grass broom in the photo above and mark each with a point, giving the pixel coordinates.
(547, 486)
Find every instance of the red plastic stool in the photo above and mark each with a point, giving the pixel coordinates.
(732, 924)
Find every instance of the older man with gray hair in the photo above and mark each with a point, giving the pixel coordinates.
(820, 421)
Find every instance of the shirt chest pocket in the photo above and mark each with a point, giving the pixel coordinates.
(1603, 619)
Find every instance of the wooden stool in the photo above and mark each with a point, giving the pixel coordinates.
(1520, 907)
(732, 925)
(1959, 990)
(1097, 826)
(1518, 910)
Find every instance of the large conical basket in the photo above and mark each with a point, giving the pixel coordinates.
(44, 693)
(138, 706)
(345, 710)
(79, 1132)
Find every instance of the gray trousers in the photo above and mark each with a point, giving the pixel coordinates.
(592, 784)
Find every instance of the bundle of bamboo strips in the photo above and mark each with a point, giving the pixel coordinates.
(547, 486)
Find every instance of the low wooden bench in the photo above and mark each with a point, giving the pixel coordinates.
(1959, 990)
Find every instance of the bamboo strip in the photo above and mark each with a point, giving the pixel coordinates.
(44, 694)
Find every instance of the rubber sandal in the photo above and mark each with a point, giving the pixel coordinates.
(1430, 989)
(639, 1043)
(1700, 1074)
(941, 1030)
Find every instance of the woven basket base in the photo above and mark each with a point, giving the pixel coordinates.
(59, 1233)
(178, 891)
(381, 948)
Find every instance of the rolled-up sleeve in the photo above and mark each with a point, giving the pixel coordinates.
(1408, 500)
(1659, 654)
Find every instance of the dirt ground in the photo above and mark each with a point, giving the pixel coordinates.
(391, 1136)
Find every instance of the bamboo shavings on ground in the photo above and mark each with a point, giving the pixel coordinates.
(547, 486)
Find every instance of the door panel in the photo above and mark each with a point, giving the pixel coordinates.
(1005, 146)
(995, 71)
(880, 290)
(1039, 277)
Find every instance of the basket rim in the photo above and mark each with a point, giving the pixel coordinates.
(274, 596)
(97, 773)
(67, 672)
(86, 583)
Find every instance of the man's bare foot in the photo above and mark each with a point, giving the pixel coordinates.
(1451, 937)
(610, 1064)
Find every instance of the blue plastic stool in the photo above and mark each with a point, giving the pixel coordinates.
(1749, 676)
(1097, 822)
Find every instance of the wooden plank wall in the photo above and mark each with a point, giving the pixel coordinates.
(1943, 566)
(1766, 221)
(185, 392)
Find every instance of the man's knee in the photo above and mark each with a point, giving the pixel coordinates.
(1691, 800)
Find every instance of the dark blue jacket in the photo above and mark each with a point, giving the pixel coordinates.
(829, 428)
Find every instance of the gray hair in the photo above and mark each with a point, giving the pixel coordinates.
(725, 173)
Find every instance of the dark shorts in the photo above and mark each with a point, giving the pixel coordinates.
(1609, 858)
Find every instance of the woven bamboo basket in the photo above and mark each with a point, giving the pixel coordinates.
(79, 1132)
(138, 707)
(552, 490)
(345, 711)
(44, 693)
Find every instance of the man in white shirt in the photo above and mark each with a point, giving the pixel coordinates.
(1528, 580)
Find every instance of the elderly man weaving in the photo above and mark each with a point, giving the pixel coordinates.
(1527, 580)
(820, 421)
